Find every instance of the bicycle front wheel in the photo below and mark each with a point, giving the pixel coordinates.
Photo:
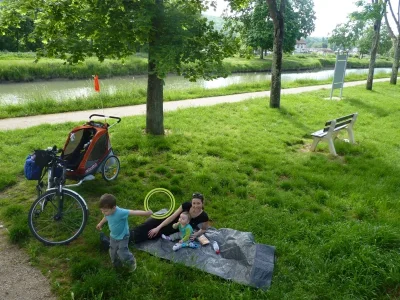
(58, 219)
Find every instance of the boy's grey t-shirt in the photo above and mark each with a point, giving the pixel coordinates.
(118, 223)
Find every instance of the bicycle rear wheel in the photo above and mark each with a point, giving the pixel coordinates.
(58, 219)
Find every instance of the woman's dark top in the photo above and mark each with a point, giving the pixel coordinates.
(140, 233)
(194, 222)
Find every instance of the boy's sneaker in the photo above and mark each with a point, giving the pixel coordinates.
(165, 237)
(177, 246)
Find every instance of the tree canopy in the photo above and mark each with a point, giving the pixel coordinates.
(288, 19)
(251, 21)
(394, 32)
(180, 39)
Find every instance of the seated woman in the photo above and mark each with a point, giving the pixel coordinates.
(153, 228)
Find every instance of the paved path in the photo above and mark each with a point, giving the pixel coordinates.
(134, 110)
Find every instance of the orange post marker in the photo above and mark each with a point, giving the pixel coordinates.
(96, 83)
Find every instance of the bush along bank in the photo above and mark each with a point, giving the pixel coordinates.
(23, 68)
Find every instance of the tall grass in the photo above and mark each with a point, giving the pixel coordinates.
(27, 69)
(333, 220)
(21, 66)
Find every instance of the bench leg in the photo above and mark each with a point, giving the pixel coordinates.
(351, 135)
(315, 143)
(332, 147)
(334, 135)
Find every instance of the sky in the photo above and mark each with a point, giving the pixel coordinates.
(329, 13)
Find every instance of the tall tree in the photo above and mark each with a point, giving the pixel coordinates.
(253, 22)
(344, 36)
(272, 25)
(386, 41)
(379, 8)
(278, 17)
(180, 40)
(396, 39)
(374, 12)
(364, 43)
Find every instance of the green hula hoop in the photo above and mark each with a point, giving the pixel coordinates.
(171, 207)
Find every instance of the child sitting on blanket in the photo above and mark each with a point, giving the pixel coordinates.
(184, 233)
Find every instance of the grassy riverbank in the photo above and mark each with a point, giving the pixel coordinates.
(333, 220)
(39, 105)
(21, 67)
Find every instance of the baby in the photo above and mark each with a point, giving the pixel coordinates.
(184, 233)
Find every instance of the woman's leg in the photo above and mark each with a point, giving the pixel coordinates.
(140, 233)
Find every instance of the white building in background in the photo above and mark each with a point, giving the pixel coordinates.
(301, 46)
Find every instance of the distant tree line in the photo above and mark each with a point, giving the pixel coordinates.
(17, 38)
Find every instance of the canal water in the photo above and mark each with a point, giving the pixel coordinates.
(70, 89)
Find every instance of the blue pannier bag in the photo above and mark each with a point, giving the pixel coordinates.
(31, 170)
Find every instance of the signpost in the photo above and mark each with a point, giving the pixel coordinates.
(340, 71)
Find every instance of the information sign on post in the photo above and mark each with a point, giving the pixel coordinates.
(340, 71)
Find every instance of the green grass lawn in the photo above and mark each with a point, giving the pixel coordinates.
(333, 220)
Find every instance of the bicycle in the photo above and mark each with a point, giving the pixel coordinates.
(59, 214)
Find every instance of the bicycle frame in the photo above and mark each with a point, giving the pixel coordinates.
(52, 180)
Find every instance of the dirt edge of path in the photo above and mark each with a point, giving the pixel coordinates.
(18, 278)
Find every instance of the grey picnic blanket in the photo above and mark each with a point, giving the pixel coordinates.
(240, 260)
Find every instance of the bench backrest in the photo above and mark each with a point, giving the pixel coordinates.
(340, 122)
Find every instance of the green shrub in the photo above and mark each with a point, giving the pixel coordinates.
(19, 230)
(13, 210)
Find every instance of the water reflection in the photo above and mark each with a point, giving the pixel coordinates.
(71, 89)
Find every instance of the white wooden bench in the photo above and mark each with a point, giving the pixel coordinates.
(331, 130)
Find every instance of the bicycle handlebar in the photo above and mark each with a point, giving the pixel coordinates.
(104, 116)
(100, 124)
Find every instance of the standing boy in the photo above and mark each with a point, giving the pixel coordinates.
(117, 219)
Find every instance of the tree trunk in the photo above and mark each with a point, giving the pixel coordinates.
(155, 85)
(277, 17)
(262, 53)
(374, 50)
(395, 66)
(17, 41)
(154, 106)
(276, 68)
